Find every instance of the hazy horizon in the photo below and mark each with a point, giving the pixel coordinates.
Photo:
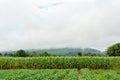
(34, 24)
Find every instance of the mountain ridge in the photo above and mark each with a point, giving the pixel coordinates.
(61, 51)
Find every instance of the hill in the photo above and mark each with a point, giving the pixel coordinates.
(66, 51)
(61, 51)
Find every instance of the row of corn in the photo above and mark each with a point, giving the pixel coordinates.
(59, 63)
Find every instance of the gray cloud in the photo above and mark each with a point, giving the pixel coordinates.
(75, 23)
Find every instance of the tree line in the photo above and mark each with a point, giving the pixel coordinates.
(113, 50)
(23, 53)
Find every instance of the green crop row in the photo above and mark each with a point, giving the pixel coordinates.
(60, 63)
(72, 75)
(107, 74)
(44, 74)
(88, 74)
(59, 74)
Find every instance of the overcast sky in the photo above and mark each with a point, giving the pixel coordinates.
(32, 24)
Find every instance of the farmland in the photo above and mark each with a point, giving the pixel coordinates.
(59, 62)
(44, 74)
(59, 74)
(60, 68)
(100, 74)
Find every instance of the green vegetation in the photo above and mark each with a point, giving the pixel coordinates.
(21, 53)
(106, 74)
(72, 75)
(114, 50)
(44, 54)
(59, 62)
(87, 75)
(73, 65)
(100, 74)
(53, 52)
(79, 53)
(0, 54)
(44, 74)
(59, 74)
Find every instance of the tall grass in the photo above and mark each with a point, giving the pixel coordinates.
(59, 62)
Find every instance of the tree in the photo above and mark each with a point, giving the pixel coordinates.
(33, 54)
(6, 54)
(0, 54)
(21, 53)
(114, 50)
(79, 53)
(45, 54)
(10, 54)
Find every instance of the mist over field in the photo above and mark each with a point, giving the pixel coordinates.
(29, 24)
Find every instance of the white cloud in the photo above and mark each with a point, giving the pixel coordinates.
(65, 23)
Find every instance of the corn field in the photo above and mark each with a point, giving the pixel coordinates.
(60, 63)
